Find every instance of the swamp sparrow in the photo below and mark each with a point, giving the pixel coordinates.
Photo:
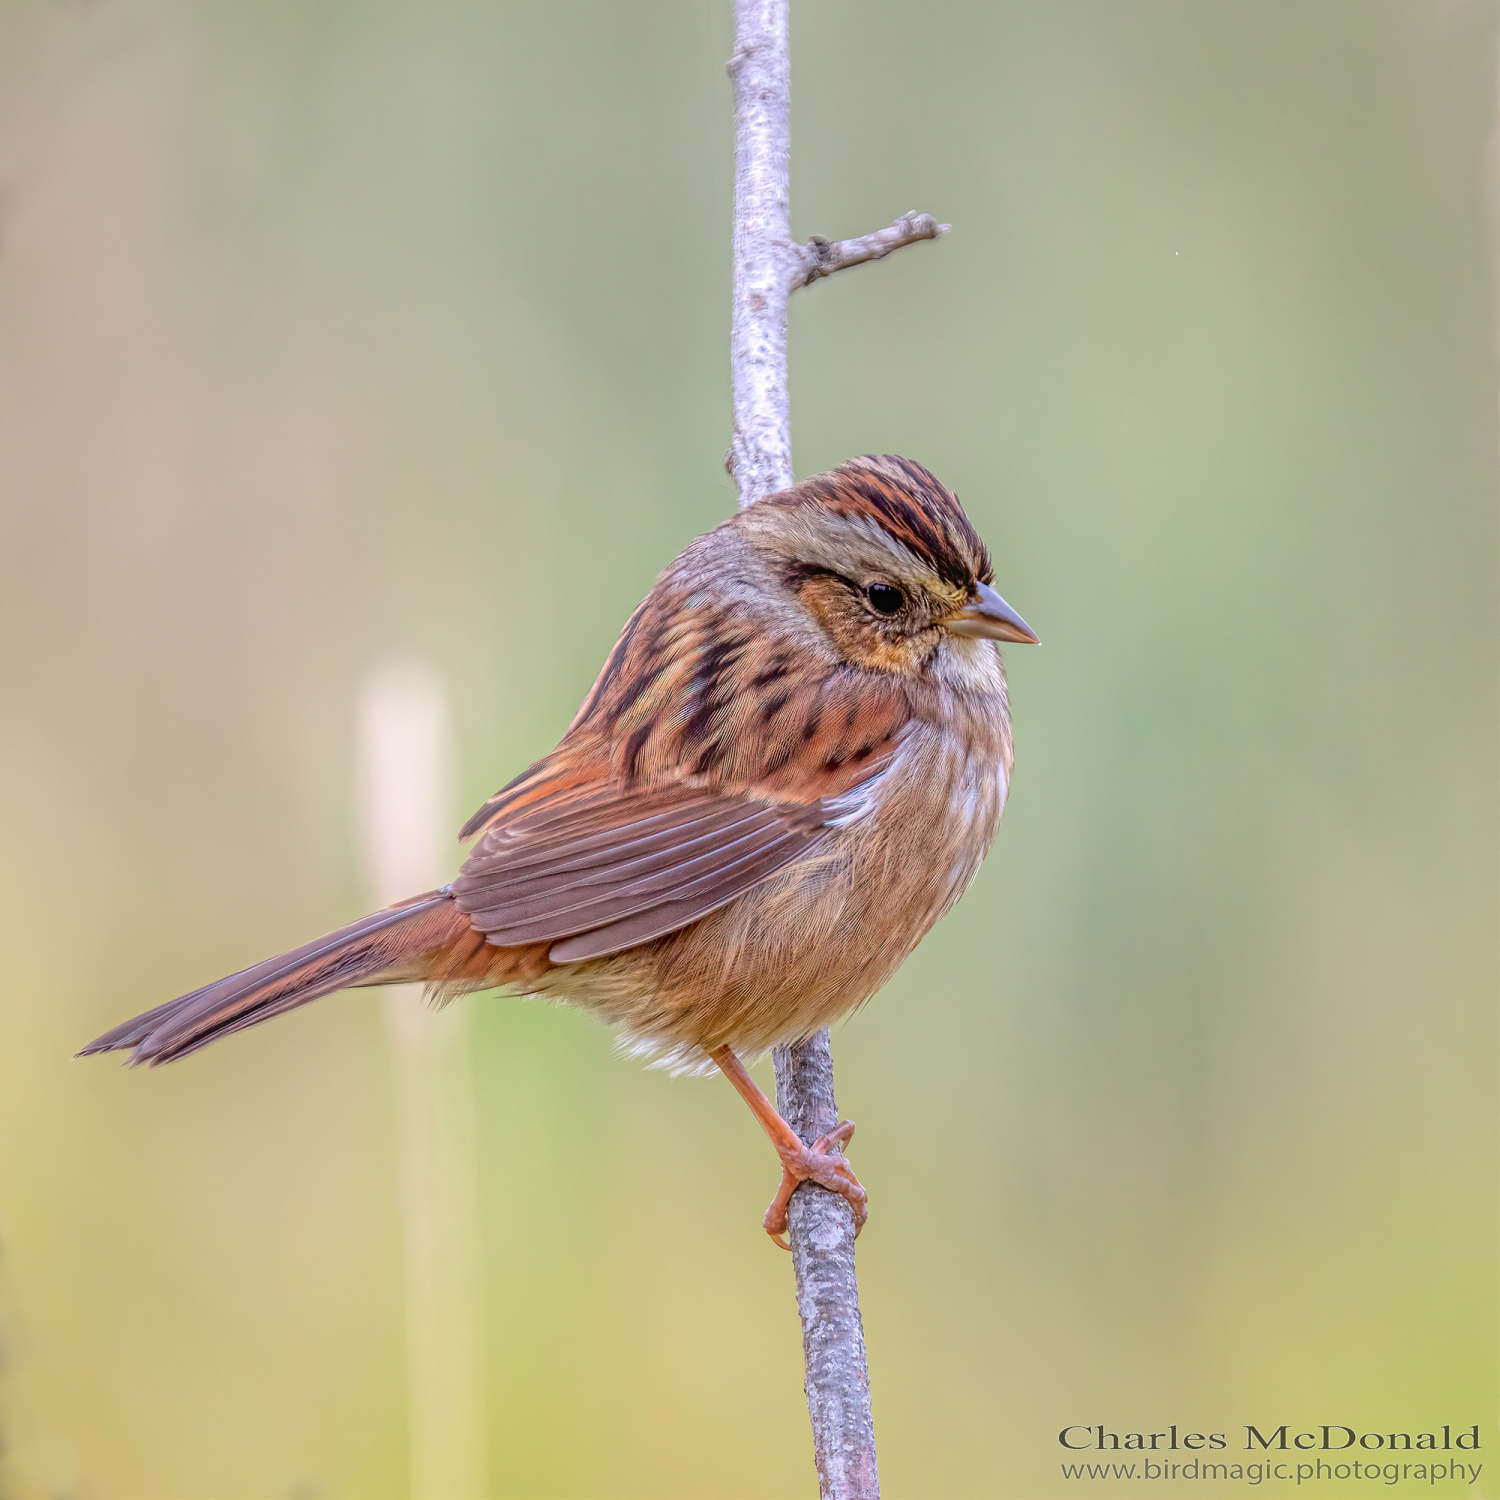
(790, 767)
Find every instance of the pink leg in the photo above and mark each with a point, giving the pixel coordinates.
(799, 1163)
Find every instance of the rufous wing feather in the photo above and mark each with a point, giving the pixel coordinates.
(625, 865)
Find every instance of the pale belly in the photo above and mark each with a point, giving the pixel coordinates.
(818, 938)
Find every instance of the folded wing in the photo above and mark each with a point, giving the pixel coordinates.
(616, 867)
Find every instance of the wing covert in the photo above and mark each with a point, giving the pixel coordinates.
(619, 866)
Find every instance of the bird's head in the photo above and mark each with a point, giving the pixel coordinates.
(885, 560)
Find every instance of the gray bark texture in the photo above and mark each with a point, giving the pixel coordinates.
(768, 264)
(821, 1231)
(768, 267)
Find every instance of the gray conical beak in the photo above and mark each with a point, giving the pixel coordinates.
(990, 617)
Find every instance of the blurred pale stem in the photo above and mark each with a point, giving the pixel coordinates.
(403, 788)
(768, 267)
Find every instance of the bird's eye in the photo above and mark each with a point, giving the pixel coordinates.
(885, 597)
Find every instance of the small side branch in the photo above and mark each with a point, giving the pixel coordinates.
(768, 267)
(823, 257)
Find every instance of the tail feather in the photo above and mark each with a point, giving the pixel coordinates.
(392, 946)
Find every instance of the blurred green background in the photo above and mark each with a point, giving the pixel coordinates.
(333, 330)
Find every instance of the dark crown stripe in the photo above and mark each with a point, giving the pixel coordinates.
(919, 512)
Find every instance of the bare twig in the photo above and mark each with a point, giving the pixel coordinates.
(768, 265)
(824, 257)
(821, 1229)
(768, 268)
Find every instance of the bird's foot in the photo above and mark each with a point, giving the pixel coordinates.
(823, 1163)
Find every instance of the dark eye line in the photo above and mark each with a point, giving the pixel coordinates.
(798, 575)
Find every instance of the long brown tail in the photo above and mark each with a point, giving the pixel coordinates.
(397, 945)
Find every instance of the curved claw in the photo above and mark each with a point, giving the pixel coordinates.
(839, 1136)
(817, 1163)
